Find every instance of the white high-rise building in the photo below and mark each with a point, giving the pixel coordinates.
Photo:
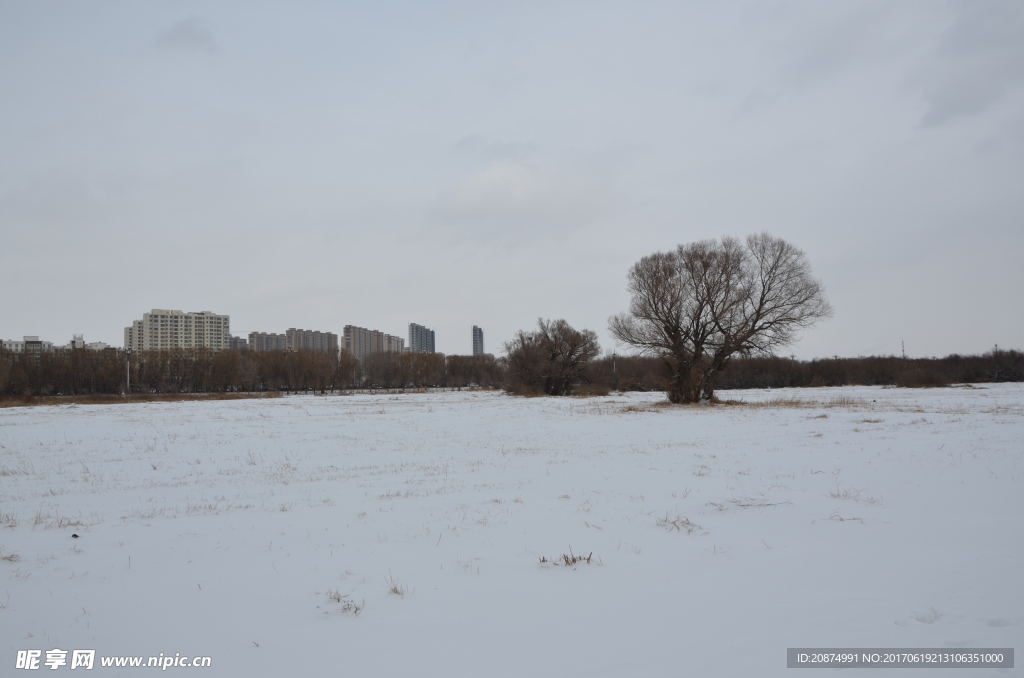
(162, 329)
(478, 340)
(421, 340)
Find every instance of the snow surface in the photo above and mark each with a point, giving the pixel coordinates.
(856, 517)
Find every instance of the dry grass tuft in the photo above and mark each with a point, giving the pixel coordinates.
(569, 559)
(679, 523)
(53, 520)
(796, 403)
(838, 518)
(852, 494)
(637, 408)
(591, 390)
(748, 502)
(394, 587)
(347, 605)
(9, 557)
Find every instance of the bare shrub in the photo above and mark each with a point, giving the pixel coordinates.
(552, 360)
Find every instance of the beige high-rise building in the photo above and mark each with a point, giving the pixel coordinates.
(162, 329)
(312, 340)
(361, 342)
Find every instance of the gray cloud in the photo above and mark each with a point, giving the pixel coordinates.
(376, 167)
(978, 60)
(188, 35)
(504, 194)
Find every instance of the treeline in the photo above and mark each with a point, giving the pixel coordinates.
(650, 374)
(83, 372)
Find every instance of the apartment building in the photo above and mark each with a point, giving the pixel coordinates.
(421, 339)
(478, 340)
(34, 345)
(29, 344)
(163, 329)
(312, 340)
(263, 341)
(361, 342)
(392, 344)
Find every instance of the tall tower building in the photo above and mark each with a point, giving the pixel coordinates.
(421, 340)
(478, 340)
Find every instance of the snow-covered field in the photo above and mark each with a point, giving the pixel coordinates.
(245, 530)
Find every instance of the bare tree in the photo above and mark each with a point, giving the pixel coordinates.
(697, 306)
(551, 360)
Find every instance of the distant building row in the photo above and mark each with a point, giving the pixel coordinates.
(164, 329)
(32, 344)
(292, 340)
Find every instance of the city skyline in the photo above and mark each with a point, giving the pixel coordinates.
(172, 324)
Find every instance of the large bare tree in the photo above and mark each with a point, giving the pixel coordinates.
(702, 303)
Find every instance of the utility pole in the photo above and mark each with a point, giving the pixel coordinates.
(127, 375)
(904, 347)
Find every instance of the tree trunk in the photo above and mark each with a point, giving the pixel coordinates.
(688, 382)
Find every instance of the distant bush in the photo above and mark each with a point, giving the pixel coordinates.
(592, 390)
(553, 360)
(921, 378)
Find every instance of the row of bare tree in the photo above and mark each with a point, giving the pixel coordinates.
(634, 373)
(80, 372)
(555, 359)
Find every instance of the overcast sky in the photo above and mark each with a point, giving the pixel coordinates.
(457, 163)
